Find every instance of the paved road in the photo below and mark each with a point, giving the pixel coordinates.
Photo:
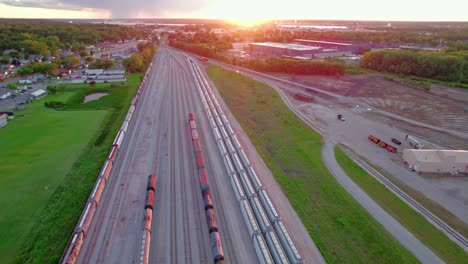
(400, 233)
(159, 142)
(394, 227)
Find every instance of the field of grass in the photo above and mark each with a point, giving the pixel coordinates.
(37, 152)
(343, 231)
(50, 160)
(413, 221)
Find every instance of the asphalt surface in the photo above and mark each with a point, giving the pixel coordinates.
(325, 122)
(158, 141)
(406, 238)
(299, 234)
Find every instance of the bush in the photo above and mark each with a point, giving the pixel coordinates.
(92, 83)
(54, 104)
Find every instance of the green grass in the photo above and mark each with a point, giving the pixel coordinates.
(343, 231)
(50, 161)
(37, 152)
(413, 221)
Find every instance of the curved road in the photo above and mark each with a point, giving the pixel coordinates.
(400, 233)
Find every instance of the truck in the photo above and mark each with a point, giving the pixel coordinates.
(414, 142)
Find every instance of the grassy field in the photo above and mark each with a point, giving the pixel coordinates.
(413, 221)
(50, 160)
(341, 228)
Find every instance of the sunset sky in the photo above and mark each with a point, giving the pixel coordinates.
(241, 10)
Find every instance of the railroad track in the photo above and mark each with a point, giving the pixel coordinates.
(451, 233)
(271, 240)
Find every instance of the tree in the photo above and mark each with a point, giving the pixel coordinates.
(23, 71)
(101, 64)
(134, 64)
(12, 86)
(71, 62)
(52, 89)
(4, 60)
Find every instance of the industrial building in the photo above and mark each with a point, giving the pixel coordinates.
(280, 49)
(437, 161)
(39, 94)
(297, 51)
(336, 46)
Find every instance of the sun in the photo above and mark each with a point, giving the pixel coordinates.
(245, 22)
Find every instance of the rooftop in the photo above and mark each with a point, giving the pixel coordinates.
(285, 46)
(324, 42)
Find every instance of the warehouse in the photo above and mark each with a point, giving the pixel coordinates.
(39, 94)
(437, 161)
(280, 49)
(340, 46)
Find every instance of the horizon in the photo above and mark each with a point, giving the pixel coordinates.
(242, 11)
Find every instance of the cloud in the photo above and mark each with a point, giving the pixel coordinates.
(119, 8)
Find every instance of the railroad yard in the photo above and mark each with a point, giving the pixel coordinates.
(207, 198)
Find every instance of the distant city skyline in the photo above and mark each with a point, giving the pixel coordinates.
(243, 11)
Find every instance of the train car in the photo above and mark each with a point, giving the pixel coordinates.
(151, 183)
(216, 247)
(191, 116)
(149, 199)
(204, 185)
(197, 145)
(211, 220)
(200, 160)
(207, 200)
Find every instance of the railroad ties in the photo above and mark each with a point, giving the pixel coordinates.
(215, 240)
(147, 220)
(271, 240)
(72, 250)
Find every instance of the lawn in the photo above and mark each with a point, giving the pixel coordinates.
(343, 231)
(432, 237)
(37, 151)
(51, 161)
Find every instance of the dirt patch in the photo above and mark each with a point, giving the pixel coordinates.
(93, 96)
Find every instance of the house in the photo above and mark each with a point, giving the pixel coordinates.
(5, 94)
(3, 120)
(39, 94)
(8, 51)
(64, 71)
(28, 79)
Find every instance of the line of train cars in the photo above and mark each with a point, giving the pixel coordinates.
(148, 219)
(215, 240)
(78, 236)
(271, 240)
(382, 144)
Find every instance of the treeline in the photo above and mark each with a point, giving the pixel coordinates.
(284, 65)
(140, 61)
(205, 50)
(292, 66)
(439, 66)
(448, 36)
(13, 32)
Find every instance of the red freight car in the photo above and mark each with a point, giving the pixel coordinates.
(207, 200)
(211, 220)
(149, 200)
(200, 160)
(191, 116)
(203, 179)
(197, 145)
(151, 183)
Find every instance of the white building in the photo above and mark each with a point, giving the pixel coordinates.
(39, 94)
(437, 161)
(4, 95)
